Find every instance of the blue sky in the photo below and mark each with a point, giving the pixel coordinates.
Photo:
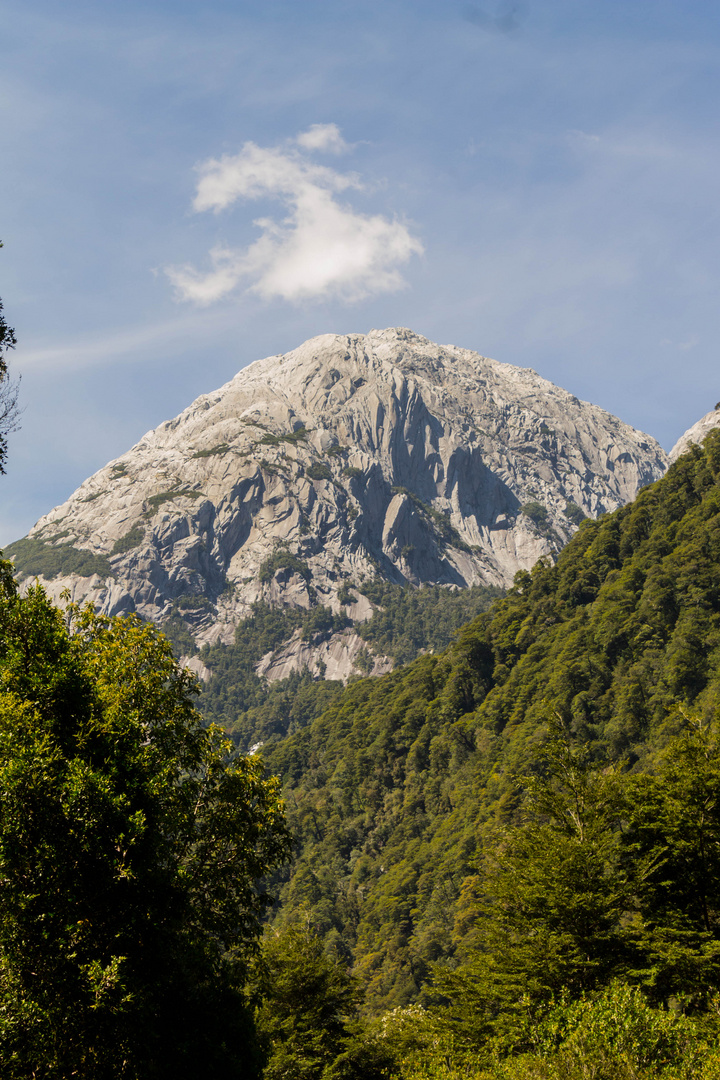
(188, 187)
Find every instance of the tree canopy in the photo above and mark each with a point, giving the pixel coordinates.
(133, 841)
(394, 786)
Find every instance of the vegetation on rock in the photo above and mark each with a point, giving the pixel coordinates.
(132, 539)
(405, 622)
(35, 557)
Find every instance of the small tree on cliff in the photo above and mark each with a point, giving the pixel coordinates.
(8, 389)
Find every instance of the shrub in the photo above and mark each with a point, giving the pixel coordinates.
(537, 513)
(282, 559)
(156, 501)
(319, 471)
(574, 513)
(346, 595)
(192, 602)
(129, 541)
(221, 448)
(34, 557)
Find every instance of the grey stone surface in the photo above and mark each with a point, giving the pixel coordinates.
(695, 434)
(416, 462)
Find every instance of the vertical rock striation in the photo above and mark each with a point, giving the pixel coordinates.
(349, 457)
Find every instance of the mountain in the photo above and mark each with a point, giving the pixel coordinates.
(351, 458)
(695, 434)
(394, 788)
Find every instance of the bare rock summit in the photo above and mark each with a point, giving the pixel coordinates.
(695, 434)
(347, 458)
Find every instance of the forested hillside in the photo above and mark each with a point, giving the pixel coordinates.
(507, 854)
(395, 789)
(406, 622)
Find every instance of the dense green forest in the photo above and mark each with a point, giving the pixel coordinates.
(412, 794)
(405, 622)
(133, 841)
(505, 855)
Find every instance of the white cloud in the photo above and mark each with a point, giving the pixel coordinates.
(321, 248)
(323, 137)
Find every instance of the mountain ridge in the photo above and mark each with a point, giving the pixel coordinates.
(351, 457)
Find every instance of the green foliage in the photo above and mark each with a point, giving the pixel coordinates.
(319, 471)
(574, 513)
(352, 471)
(218, 450)
(193, 602)
(273, 470)
(319, 623)
(674, 815)
(537, 513)
(34, 557)
(180, 638)
(612, 1035)
(156, 501)
(7, 334)
(299, 435)
(548, 903)
(306, 1001)
(9, 412)
(363, 661)
(248, 707)
(394, 788)
(618, 1027)
(270, 439)
(282, 559)
(408, 621)
(132, 539)
(131, 843)
(346, 595)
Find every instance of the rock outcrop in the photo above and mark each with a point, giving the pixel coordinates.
(696, 433)
(349, 457)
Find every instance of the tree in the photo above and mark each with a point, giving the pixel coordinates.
(306, 1014)
(305, 1003)
(132, 841)
(549, 902)
(9, 412)
(674, 817)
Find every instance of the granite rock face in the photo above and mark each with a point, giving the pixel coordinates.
(696, 433)
(349, 457)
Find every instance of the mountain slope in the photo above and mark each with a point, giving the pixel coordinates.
(695, 434)
(392, 787)
(349, 458)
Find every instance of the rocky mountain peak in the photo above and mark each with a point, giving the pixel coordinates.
(350, 457)
(696, 433)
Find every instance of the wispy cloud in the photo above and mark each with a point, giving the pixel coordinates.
(322, 137)
(115, 345)
(322, 248)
